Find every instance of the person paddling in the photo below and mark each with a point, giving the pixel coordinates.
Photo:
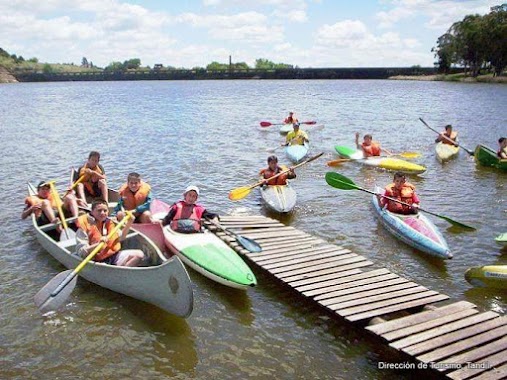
(135, 195)
(502, 151)
(272, 170)
(296, 136)
(291, 119)
(446, 135)
(403, 191)
(94, 183)
(369, 147)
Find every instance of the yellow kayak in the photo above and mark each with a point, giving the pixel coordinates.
(445, 151)
(493, 276)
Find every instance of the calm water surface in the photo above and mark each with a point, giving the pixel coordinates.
(207, 133)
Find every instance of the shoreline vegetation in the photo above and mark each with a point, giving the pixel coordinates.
(459, 77)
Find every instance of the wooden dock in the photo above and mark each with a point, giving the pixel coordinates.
(456, 339)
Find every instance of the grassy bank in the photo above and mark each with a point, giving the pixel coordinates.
(460, 77)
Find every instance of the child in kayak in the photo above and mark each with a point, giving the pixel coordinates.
(296, 136)
(502, 151)
(291, 119)
(369, 147)
(403, 191)
(447, 135)
(274, 169)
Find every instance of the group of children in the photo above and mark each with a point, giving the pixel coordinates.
(93, 228)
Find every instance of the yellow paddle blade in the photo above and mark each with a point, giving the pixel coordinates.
(410, 154)
(239, 193)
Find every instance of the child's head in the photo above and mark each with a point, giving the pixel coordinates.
(134, 181)
(191, 193)
(93, 158)
(43, 190)
(502, 141)
(272, 162)
(367, 139)
(399, 179)
(448, 128)
(100, 209)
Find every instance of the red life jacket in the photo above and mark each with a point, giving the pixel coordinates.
(90, 179)
(95, 233)
(187, 218)
(132, 200)
(268, 173)
(34, 200)
(371, 150)
(405, 194)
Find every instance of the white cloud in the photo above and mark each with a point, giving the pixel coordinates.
(342, 34)
(388, 19)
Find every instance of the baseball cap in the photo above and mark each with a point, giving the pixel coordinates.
(192, 187)
(42, 184)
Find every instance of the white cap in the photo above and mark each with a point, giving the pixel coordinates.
(190, 188)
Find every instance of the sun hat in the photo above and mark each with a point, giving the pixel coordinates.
(190, 188)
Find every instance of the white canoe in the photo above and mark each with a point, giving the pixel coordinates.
(296, 153)
(279, 198)
(161, 281)
(445, 152)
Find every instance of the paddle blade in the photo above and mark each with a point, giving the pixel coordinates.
(340, 182)
(265, 124)
(457, 224)
(338, 162)
(239, 193)
(410, 155)
(67, 234)
(308, 122)
(46, 302)
(249, 244)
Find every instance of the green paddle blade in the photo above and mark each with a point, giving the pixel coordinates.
(340, 182)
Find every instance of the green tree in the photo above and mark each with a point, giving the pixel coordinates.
(265, 64)
(47, 68)
(216, 66)
(133, 63)
(496, 25)
(114, 66)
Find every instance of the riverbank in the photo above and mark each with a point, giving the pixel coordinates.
(6, 76)
(453, 78)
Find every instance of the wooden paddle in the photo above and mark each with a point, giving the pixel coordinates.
(265, 124)
(67, 233)
(341, 182)
(241, 192)
(448, 139)
(55, 292)
(248, 244)
(340, 161)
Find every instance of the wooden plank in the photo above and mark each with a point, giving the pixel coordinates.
(284, 250)
(271, 235)
(424, 300)
(312, 263)
(301, 257)
(286, 247)
(429, 324)
(313, 268)
(479, 353)
(335, 276)
(497, 373)
(290, 242)
(442, 330)
(424, 316)
(358, 286)
(262, 231)
(366, 290)
(465, 344)
(467, 372)
(333, 283)
(366, 299)
(477, 324)
(318, 273)
(288, 255)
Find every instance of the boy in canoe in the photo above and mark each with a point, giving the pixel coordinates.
(296, 136)
(43, 205)
(369, 147)
(502, 151)
(403, 191)
(272, 170)
(94, 228)
(447, 135)
(135, 195)
(291, 119)
(185, 216)
(94, 183)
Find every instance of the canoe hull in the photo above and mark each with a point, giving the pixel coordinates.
(493, 276)
(487, 157)
(446, 152)
(502, 239)
(279, 198)
(162, 282)
(415, 230)
(387, 163)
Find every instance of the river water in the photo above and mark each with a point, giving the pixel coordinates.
(207, 133)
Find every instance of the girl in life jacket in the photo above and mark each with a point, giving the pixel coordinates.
(272, 170)
(186, 215)
(403, 191)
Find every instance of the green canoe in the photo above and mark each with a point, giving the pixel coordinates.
(487, 157)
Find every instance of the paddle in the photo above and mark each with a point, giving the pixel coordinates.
(55, 292)
(79, 180)
(248, 244)
(265, 124)
(67, 233)
(343, 183)
(403, 154)
(241, 192)
(448, 139)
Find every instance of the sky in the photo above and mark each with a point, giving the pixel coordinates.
(194, 33)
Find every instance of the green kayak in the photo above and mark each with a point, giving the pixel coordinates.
(487, 157)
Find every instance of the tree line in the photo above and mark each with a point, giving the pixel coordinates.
(475, 43)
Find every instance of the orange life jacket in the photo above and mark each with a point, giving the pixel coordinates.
(290, 120)
(371, 150)
(90, 179)
(268, 173)
(96, 231)
(452, 137)
(405, 194)
(132, 200)
(187, 218)
(34, 200)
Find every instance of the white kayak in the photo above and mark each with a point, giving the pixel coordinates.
(296, 153)
(445, 152)
(279, 198)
